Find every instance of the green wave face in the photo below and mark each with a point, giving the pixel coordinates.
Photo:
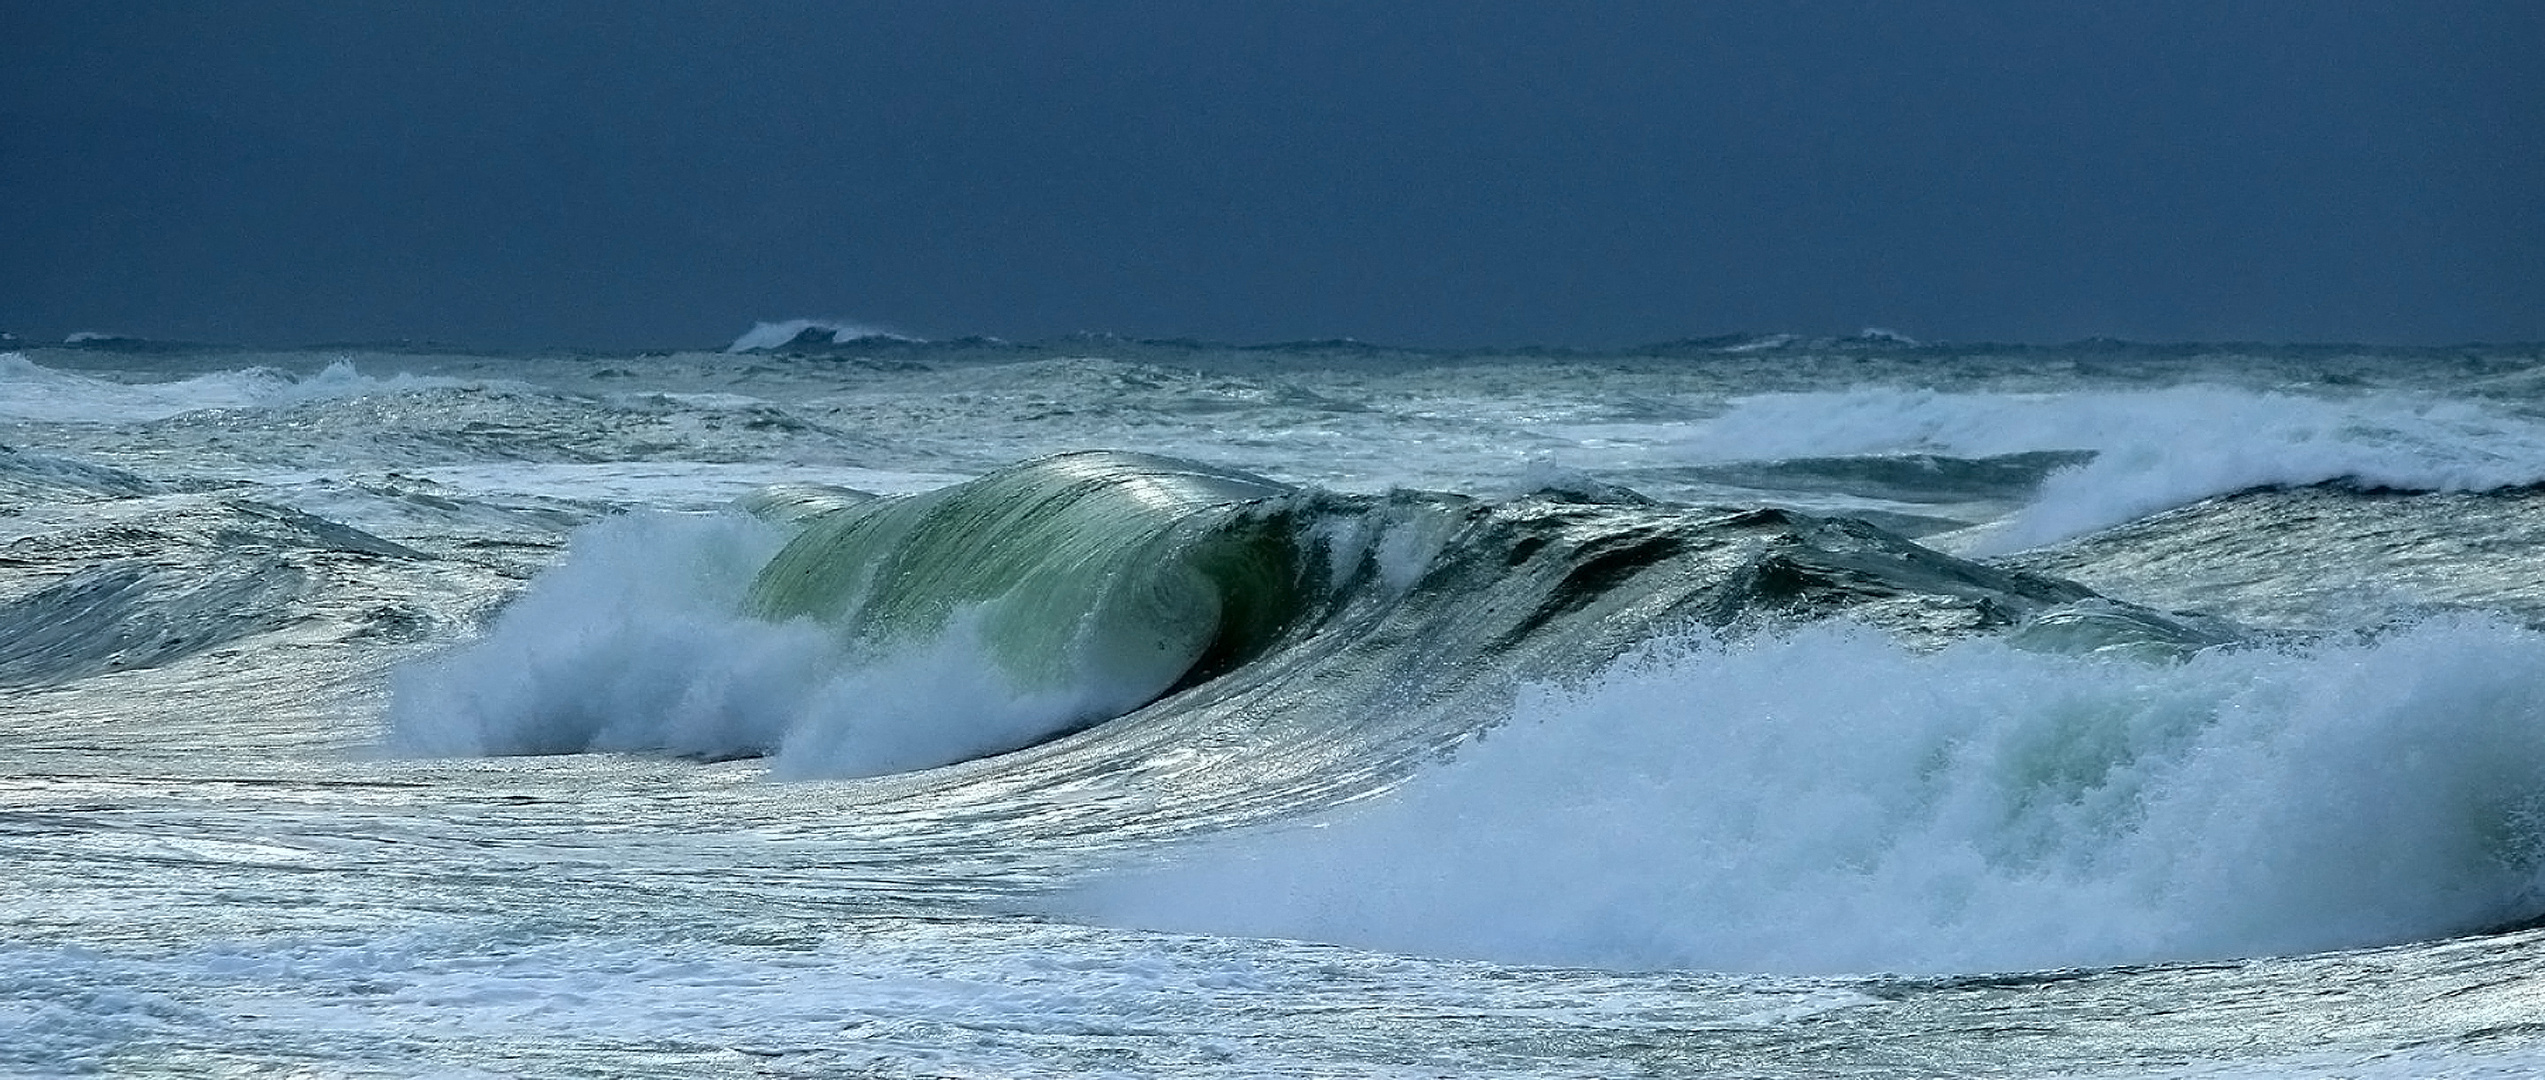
(1123, 572)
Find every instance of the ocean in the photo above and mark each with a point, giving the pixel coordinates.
(844, 704)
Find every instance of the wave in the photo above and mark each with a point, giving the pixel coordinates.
(29, 391)
(1123, 574)
(810, 333)
(2323, 556)
(130, 614)
(1675, 736)
(884, 634)
(1833, 800)
(28, 478)
(1912, 478)
(126, 343)
(2151, 450)
(189, 573)
(851, 636)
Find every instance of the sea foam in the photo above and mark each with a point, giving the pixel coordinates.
(30, 391)
(2155, 449)
(1832, 800)
(636, 642)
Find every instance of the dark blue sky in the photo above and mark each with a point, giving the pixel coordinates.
(656, 173)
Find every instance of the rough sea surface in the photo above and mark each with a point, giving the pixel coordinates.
(1748, 707)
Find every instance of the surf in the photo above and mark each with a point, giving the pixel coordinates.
(846, 636)
(1828, 799)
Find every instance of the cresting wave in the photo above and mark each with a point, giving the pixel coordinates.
(885, 634)
(847, 636)
(1681, 736)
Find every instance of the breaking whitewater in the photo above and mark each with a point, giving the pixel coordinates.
(843, 703)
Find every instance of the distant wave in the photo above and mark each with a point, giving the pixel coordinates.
(99, 341)
(30, 391)
(2152, 450)
(799, 333)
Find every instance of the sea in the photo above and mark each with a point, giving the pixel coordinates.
(844, 704)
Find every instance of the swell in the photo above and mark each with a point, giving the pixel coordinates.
(2324, 556)
(133, 615)
(147, 581)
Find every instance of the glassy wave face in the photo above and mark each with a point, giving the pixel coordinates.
(1127, 674)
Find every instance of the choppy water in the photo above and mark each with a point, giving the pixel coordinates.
(1774, 708)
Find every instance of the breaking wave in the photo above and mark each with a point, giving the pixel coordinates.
(1832, 800)
(880, 636)
(1678, 737)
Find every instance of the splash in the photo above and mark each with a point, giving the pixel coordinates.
(635, 643)
(1832, 800)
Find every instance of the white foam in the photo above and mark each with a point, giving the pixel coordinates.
(1771, 341)
(636, 642)
(772, 335)
(29, 391)
(659, 484)
(2470, 1059)
(810, 991)
(2156, 449)
(1834, 801)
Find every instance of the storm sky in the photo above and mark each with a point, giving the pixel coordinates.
(659, 173)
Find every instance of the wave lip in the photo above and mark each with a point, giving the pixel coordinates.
(1104, 568)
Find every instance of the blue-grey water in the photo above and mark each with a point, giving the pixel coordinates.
(1754, 707)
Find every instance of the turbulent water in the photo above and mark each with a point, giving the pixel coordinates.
(851, 704)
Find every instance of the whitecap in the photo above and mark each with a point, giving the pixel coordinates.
(1834, 800)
